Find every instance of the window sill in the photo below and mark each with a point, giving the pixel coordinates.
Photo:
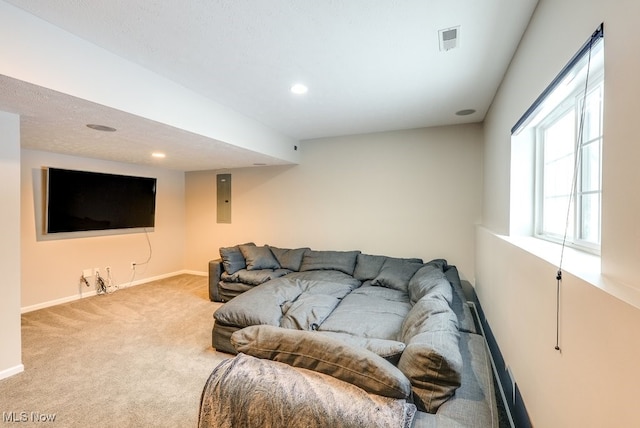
(582, 265)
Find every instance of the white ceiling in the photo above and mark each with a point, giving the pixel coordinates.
(370, 66)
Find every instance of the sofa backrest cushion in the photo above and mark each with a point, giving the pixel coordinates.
(459, 305)
(289, 258)
(433, 363)
(343, 261)
(313, 351)
(258, 258)
(429, 280)
(396, 273)
(431, 313)
(232, 258)
(441, 264)
(368, 266)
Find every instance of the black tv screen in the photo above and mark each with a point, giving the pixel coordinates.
(83, 201)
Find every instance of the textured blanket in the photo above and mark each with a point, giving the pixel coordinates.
(249, 392)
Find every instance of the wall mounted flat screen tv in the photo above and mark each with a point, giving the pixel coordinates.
(82, 201)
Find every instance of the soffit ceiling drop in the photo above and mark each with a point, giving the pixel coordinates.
(368, 68)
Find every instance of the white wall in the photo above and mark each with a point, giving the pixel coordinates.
(10, 356)
(409, 193)
(51, 267)
(593, 382)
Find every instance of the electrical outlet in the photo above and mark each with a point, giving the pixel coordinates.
(87, 273)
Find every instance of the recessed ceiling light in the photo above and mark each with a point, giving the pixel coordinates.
(299, 89)
(259, 164)
(101, 127)
(465, 112)
(158, 155)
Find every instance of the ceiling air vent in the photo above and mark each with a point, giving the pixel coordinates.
(449, 38)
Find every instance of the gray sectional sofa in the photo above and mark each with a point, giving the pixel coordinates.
(393, 327)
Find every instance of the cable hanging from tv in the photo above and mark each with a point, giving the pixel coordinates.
(146, 262)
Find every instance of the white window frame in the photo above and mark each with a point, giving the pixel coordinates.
(574, 218)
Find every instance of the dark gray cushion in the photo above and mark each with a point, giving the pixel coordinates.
(232, 258)
(368, 266)
(429, 280)
(289, 258)
(321, 279)
(459, 302)
(259, 305)
(259, 257)
(390, 350)
(433, 363)
(263, 304)
(343, 261)
(253, 277)
(307, 311)
(371, 312)
(396, 273)
(313, 351)
(439, 263)
(430, 313)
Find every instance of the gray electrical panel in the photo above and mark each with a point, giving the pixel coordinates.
(224, 198)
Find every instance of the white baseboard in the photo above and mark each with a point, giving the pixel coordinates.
(195, 272)
(92, 292)
(11, 371)
(55, 302)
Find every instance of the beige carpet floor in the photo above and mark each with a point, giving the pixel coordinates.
(136, 358)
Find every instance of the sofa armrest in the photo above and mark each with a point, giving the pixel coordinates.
(215, 270)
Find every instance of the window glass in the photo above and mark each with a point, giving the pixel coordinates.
(569, 140)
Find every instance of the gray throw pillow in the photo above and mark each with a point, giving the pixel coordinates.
(396, 273)
(259, 257)
(232, 258)
(289, 258)
(313, 351)
(368, 266)
(343, 261)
